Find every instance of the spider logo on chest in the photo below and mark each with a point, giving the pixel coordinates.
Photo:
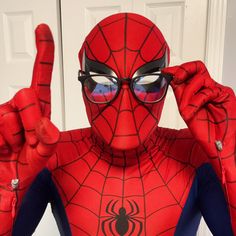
(121, 222)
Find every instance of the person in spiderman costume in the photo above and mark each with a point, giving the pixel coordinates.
(124, 175)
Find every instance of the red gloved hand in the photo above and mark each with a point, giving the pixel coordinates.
(27, 136)
(209, 110)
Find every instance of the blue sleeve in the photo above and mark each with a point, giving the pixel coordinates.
(212, 202)
(41, 192)
(33, 205)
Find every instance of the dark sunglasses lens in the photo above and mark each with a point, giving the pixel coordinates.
(150, 88)
(100, 89)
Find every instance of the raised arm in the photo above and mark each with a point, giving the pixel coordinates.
(27, 136)
(209, 110)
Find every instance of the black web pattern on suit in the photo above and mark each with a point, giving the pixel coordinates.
(154, 141)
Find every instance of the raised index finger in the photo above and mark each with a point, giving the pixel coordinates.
(43, 66)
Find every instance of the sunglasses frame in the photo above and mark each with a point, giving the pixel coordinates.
(83, 76)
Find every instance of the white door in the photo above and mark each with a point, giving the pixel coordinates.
(18, 20)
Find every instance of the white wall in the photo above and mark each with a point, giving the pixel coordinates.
(229, 65)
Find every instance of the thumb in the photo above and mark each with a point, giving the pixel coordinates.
(48, 136)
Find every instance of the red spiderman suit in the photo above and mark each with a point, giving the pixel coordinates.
(124, 175)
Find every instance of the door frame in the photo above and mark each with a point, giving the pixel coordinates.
(217, 12)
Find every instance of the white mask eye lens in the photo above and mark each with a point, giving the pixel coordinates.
(150, 88)
(100, 88)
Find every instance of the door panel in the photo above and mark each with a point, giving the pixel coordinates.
(17, 46)
(176, 19)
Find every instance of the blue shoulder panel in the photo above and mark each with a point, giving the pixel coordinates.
(41, 192)
(206, 198)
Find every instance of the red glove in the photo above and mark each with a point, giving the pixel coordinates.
(209, 110)
(27, 136)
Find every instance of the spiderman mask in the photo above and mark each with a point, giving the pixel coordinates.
(123, 88)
